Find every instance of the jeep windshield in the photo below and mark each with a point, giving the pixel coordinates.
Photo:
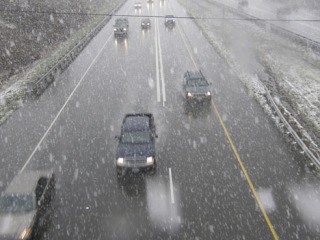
(136, 137)
(16, 204)
(195, 82)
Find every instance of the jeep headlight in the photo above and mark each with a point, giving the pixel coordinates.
(25, 233)
(208, 93)
(124, 29)
(150, 160)
(189, 94)
(120, 161)
(114, 29)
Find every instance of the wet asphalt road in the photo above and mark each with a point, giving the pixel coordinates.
(224, 172)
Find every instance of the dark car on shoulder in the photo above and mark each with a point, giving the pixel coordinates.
(196, 88)
(169, 21)
(243, 3)
(136, 149)
(25, 204)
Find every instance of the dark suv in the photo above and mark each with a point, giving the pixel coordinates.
(145, 23)
(24, 205)
(169, 21)
(196, 88)
(121, 27)
(136, 149)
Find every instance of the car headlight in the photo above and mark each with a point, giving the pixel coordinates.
(120, 161)
(189, 94)
(114, 29)
(142, 23)
(25, 233)
(124, 29)
(150, 160)
(208, 93)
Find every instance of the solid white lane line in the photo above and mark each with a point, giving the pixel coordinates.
(171, 186)
(164, 98)
(65, 104)
(63, 107)
(157, 63)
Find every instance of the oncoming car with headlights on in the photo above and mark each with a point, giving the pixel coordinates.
(24, 205)
(136, 150)
(169, 21)
(196, 88)
(145, 23)
(137, 5)
(121, 27)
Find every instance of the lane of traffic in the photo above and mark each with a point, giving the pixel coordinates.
(77, 171)
(81, 149)
(177, 152)
(261, 147)
(28, 124)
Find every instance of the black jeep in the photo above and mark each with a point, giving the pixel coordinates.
(121, 27)
(196, 88)
(136, 149)
(169, 21)
(145, 23)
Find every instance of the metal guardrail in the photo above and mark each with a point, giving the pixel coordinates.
(314, 45)
(37, 87)
(301, 143)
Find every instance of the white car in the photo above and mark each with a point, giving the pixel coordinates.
(137, 5)
(24, 205)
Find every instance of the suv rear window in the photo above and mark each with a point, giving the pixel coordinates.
(136, 137)
(16, 204)
(197, 82)
(136, 123)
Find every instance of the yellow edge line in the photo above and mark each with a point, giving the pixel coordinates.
(246, 174)
(265, 215)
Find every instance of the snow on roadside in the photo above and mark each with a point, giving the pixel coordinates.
(13, 95)
(298, 81)
(6, 25)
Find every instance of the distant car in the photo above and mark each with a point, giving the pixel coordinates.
(284, 11)
(145, 23)
(196, 88)
(121, 27)
(24, 204)
(169, 21)
(136, 150)
(243, 3)
(137, 5)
